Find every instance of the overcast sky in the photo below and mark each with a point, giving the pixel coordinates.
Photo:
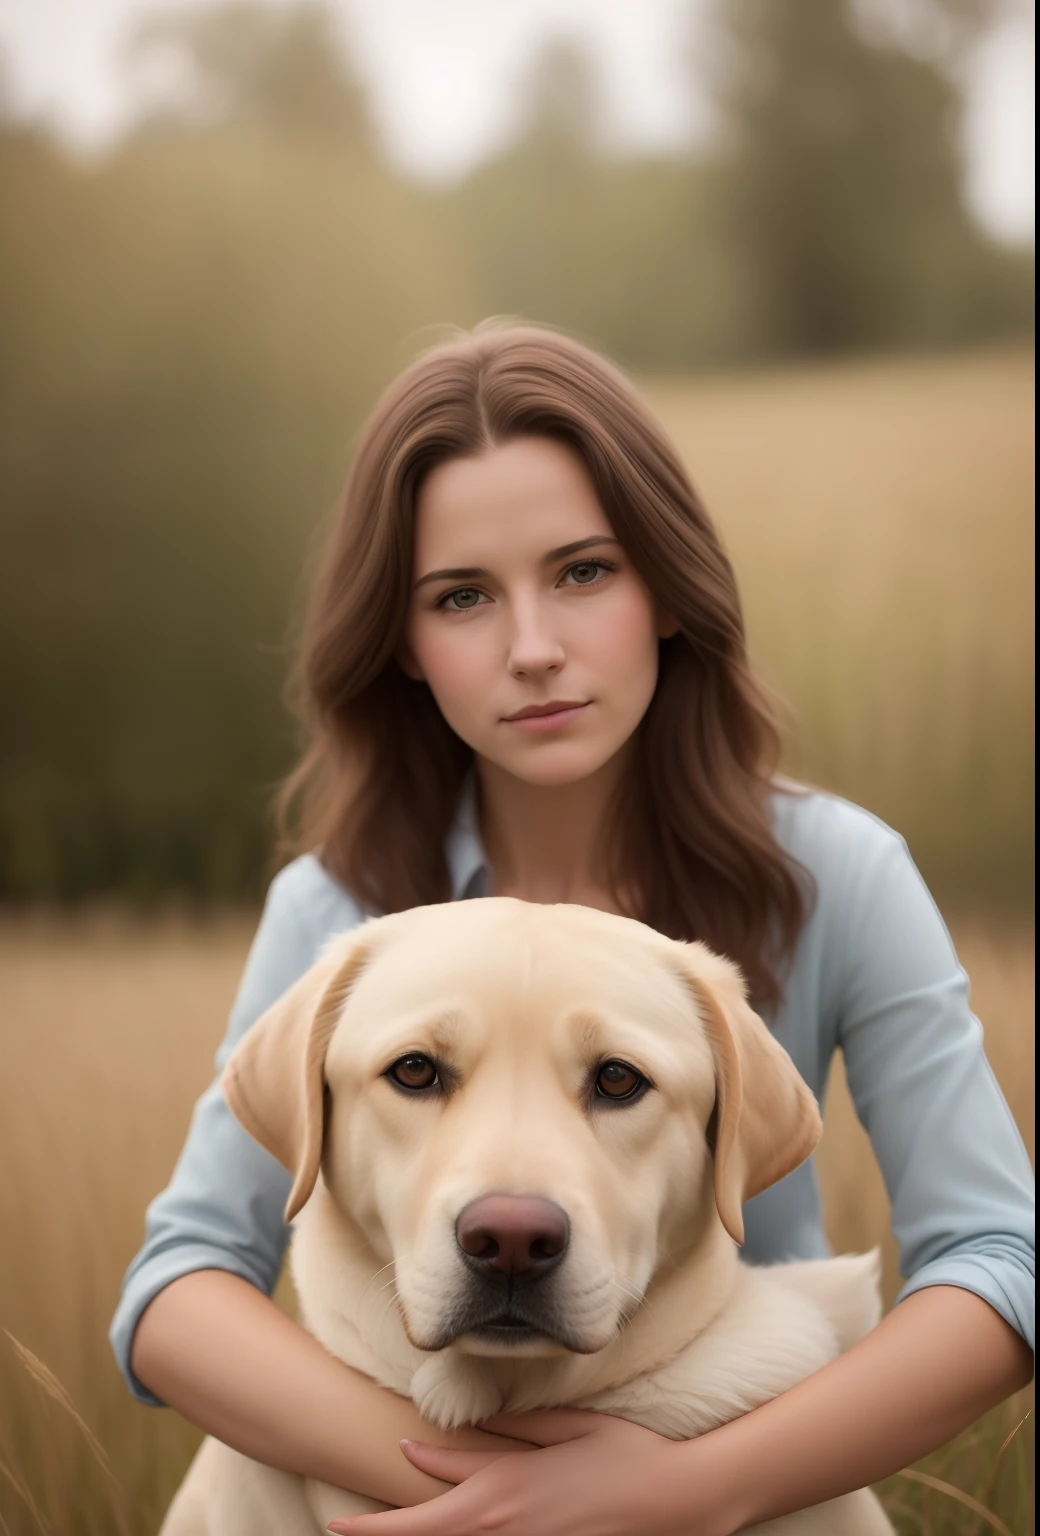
(444, 77)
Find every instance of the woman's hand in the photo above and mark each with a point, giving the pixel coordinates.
(587, 1474)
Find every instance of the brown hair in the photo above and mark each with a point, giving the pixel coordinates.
(380, 782)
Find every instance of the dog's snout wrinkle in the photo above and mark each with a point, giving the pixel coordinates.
(513, 1238)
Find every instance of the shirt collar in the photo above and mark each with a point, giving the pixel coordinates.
(467, 862)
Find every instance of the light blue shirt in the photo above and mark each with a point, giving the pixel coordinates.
(874, 975)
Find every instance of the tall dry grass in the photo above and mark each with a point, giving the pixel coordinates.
(108, 1037)
(880, 520)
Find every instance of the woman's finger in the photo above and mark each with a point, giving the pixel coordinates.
(450, 1466)
(447, 1515)
(545, 1426)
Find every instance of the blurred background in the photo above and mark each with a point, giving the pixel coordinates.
(805, 226)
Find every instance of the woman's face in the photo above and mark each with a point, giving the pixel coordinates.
(527, 621)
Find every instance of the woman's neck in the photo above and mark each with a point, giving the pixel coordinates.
(546, 843)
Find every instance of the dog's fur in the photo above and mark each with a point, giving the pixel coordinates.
(649, 1315)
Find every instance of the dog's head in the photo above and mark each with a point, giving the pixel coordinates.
(529, 1110)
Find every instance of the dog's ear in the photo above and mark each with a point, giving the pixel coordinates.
(274, 1080)
(766, 1118)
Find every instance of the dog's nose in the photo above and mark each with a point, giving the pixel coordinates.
(513, 1235)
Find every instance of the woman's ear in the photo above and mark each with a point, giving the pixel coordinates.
(666, 625)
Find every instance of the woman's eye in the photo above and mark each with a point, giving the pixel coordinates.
(617, 1080)
(414, 1072)
(588, 572)
(462, 599)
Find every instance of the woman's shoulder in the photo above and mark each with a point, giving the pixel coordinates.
(872, 929)
(850, 856)
(305, 896)
(305, 907)
(824, 833)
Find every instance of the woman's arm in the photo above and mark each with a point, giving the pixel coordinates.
(224, 1205)
(933, 1366)
(957, 1174)
(220, 1352)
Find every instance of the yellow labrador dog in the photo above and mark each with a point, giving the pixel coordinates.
(521, 1137)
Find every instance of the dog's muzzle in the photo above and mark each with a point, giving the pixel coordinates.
(511, 1247)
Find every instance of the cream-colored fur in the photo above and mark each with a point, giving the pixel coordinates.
(654, 1317)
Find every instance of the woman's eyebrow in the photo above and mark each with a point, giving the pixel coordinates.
(459, 573)
(475, 572)
(572, 549)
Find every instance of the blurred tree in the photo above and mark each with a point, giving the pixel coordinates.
(530, 213)
(943, 30)
(7, 112)
(621, 252)
(565, 111)
(827, 215)
(283, 69)
(190, 330)
(841, 182)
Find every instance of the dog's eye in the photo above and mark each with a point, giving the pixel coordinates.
(415, 1072)
(617, 1080)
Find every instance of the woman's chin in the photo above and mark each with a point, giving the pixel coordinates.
(553, 768)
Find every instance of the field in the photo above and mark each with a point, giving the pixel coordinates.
(880, 520)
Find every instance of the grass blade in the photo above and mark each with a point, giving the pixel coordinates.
(26, 1497)
(1024, 1420)
(991, 1479)
(49, 1383)
(926, 1478)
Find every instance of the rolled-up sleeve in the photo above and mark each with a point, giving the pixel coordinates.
(223, 1208)
(957, 1173)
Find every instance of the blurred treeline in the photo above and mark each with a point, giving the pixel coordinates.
(192, 328)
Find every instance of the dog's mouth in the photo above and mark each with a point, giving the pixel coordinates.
(526, 1319)
(507, 1329)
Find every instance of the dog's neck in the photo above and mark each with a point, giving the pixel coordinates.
(355, 1314)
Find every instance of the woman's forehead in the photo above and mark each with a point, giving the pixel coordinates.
(531, 489)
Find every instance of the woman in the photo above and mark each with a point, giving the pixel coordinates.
(524, 673)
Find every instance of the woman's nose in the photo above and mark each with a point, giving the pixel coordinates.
(534, 646)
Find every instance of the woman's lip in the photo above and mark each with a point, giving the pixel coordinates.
(552, 720)
(553, 707)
